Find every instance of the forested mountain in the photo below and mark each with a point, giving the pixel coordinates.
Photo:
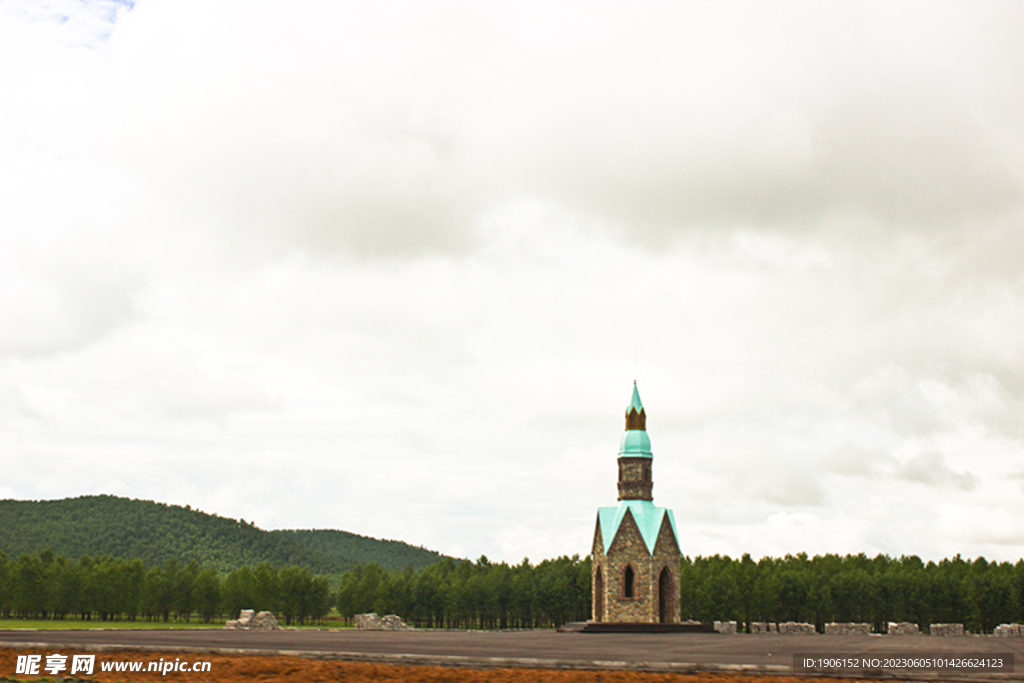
(157, 532)
(343, 545)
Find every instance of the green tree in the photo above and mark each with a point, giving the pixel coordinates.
(185, 591)
(30, 594)
(358, 590)
(158, 598)
(133, 576)
(6, 586)
(66, 588)
(266, 587)
(239, 591)
(319, 604)
(295, 592)
(106, 586)
(207, 594)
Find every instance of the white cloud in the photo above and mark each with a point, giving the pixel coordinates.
(931, 469)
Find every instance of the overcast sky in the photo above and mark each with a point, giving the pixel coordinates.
(383, 267)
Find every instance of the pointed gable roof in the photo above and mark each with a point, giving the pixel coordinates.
(648, 518)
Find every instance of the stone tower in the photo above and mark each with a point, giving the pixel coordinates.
(636, 548)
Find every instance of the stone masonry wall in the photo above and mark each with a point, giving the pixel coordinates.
(635, 482)
(666, 555)
(628, 549)
(597, 568)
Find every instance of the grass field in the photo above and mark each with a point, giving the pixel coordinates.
(77, 624)
(72, 624)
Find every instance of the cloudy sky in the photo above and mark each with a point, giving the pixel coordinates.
(385, 267)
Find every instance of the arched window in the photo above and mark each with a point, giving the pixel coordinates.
(598, 595)
(627, 582)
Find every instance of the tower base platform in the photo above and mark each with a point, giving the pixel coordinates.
(637, 627)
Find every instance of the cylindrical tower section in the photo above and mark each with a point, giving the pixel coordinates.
(635, 482)
(635, 458)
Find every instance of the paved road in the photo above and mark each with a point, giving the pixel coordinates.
(669, 650)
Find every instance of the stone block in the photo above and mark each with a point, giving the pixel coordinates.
(847, 629)
(1009, 630)
(943, 630)
(796, 628)
(764, 627)
(904, 628)
(370, 620)
(725, 627)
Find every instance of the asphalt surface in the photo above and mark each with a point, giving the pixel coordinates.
(526, 648)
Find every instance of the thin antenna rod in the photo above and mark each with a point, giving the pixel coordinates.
(634, 364)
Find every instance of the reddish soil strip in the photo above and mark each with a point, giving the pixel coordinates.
(275, 669)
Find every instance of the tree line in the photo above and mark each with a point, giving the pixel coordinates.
(48, 586)
(448, 594)
(853, 588)
(485, 594)
(481, 594)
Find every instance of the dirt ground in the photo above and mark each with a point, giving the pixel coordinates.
(283, 669)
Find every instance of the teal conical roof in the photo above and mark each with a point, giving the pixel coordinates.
(635, 403)
(635, 443)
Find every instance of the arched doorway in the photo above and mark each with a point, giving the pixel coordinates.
(598, 596)
(665, 596)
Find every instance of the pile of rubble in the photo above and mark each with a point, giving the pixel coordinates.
(248, 620)
(1008, 630)
(904, 628)
(847, 629)
(372, 622)
(946, 629)
(725, 627)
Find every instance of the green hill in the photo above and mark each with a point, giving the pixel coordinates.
(156, 532)
(342, 545)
